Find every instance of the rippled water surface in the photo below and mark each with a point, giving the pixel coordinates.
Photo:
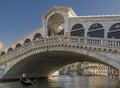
(67, 82)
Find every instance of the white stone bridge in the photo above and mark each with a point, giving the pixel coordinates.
(42, 57)
(62, 39)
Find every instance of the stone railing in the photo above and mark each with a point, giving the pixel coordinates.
(77, 42)
(96, 41)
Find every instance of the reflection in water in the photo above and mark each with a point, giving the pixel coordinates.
(88, 82)
(67, 82)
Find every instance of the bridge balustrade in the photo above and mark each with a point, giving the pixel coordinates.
(99, 42)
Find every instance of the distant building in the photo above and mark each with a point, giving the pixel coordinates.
(88, 68)
(94, 69)
(71, 69)
(98, 69)
(113, 72)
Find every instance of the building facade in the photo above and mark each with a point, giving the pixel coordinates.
(71, 69)
(90, 69)
(99, 69)
(94, 69)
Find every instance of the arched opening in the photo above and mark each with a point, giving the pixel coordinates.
(37, 36)
(27, 41)
(10, 49)
(77, 30)
(2, 52)
(96, 30)
(55, 25)
(114, 31)
(18, 45)
(47, 63)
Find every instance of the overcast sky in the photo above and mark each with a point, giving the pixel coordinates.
(19, 17)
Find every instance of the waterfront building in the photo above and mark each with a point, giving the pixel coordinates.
(71, 69)
(94, 69)
(113, 73)
(90, 69)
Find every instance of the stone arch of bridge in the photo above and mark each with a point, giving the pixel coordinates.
(43, 64)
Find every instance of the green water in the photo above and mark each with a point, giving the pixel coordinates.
(67, 82)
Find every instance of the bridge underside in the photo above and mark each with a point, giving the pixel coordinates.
(45, 63)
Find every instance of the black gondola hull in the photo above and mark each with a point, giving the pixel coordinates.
(26, 82)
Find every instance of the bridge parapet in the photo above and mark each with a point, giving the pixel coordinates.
(98, 44)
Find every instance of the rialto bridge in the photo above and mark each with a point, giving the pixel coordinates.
(63, 38)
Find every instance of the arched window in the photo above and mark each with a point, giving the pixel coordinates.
(27, 41)
(49, 32)
(114, 31)
(10, 49)
(36, 36)
(2, 52)
(77, 30)
(96, 30)
(18, 45)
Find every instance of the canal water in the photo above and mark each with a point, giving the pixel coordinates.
(67, 82)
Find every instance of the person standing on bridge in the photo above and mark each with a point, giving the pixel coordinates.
(67, 37)
(45, 38)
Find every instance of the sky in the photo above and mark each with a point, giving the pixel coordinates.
(19, 17)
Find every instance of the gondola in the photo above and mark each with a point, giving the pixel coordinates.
(26, 81)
